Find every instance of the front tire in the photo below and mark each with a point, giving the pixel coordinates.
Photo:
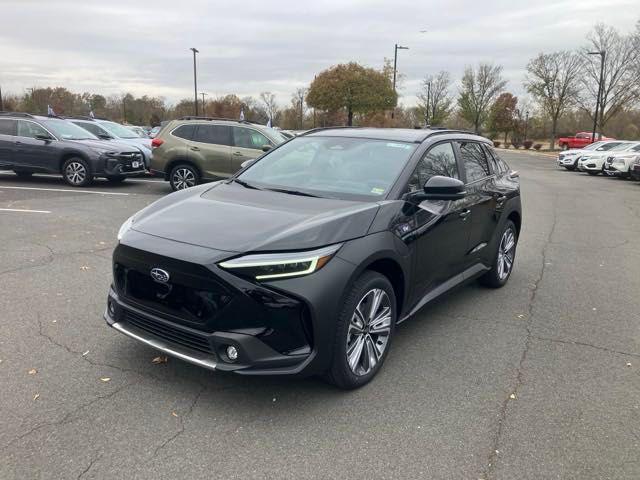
(76, 173)
(504, 258)
(183, 176)
(364, 331)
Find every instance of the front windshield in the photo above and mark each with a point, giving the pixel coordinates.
(337, 167)
(67, 130)
(611, 146)
(118, 130)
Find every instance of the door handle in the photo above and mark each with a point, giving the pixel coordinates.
(500, 199)
(238, 154)
(464, 214)
(195, 149)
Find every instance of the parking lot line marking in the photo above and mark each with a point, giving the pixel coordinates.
(23, 210)
(64, 190)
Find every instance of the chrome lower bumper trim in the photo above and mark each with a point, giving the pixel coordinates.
(163, 347)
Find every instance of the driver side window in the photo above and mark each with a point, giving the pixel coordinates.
(30, 129)
(439, 160)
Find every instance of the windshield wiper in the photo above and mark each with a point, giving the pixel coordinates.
(245, 184)
(293, 192)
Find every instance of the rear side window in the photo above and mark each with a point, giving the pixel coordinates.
(30, 129)
(634, 149)
(184, 131)
(213, 134)
(7, 127)
(474, 160)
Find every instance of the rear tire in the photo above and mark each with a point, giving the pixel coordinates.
(183, 176)
(503, 259)
(364, 331)
(76, 172)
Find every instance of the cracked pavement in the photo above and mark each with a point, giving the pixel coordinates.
(562, 338)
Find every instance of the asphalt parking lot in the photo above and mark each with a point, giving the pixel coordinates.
(539, 380)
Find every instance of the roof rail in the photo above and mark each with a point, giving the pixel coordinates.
(193, 117)
(444, 131)
(319, 129)
(15, 114)
(78, 117)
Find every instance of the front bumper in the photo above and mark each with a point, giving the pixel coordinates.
(124, 165)
(282, 327)
(615, 170)
(635, 172)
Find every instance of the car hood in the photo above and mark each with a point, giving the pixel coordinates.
(104, 145)
(233, 218)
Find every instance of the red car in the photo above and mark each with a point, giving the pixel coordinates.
(580, 140)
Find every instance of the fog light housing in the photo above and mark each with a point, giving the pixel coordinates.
(232, 353)
(111, 308)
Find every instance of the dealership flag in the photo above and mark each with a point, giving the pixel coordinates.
(269, 123)
(241, 114)
(91, 114)
(50, 111)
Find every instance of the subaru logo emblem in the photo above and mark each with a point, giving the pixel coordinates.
(159, 275)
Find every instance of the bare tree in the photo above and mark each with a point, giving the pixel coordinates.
(434, 100)
(297, 100)
(553, 79)
(621, 79)
(479, 90)
(270, 106)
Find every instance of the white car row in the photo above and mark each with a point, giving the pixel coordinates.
(610, 157)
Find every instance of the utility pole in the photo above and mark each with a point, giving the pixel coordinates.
(195, 81)
(427, 117)
(395, 69)
(124, 109)
(204, 111)
(602, 54)
(1, 101)
(526, 124)
(301, 108)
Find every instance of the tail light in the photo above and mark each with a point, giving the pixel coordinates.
(156, 142)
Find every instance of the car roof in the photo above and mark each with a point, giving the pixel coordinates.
(390, 134)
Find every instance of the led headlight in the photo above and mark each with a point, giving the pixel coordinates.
(124, 228)
(281, 265)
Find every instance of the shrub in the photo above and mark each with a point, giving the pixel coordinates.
(506, 145)
(497, 144)
(516, 145)
(537, 146)
(528, 144)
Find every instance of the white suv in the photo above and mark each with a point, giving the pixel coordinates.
(592, 161)
(620, 164)
(569, 158)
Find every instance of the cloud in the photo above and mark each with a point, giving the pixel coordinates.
(253, 46)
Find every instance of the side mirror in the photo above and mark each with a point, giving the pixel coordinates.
(246, 163)
(443, 188)
(104, 136)
(43, 136)
(266, 148)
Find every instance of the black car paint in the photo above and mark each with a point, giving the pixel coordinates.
(424, 248)
(34, 155)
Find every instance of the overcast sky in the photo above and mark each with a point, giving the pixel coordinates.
(113, 46)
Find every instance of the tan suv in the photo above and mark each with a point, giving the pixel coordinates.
(193, 150)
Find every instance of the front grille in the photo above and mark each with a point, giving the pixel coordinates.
(166, 332)
(193, 294)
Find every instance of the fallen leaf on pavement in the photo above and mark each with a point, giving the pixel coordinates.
(512, 396)
(33, 371)
(84, 354)
(36, 396)
(84, 267)
(161, 359)
(105, 379)
(174, 414)
(628, 364)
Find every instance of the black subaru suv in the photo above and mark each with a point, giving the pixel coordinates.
(305, 261)
(35, 144)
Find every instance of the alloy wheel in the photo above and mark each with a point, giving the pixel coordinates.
(183, 178)
(506, 253)
(76, 173)
(369, 331)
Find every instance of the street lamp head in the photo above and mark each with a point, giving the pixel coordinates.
(400, 47)
(601, 53)
(194, 50)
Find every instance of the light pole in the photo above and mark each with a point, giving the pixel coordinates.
(195, 81)
(1, 102)
(426, 117)
(124, 109)
(395, 69)
(602, 54)
(526, 124)
(204, 110)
